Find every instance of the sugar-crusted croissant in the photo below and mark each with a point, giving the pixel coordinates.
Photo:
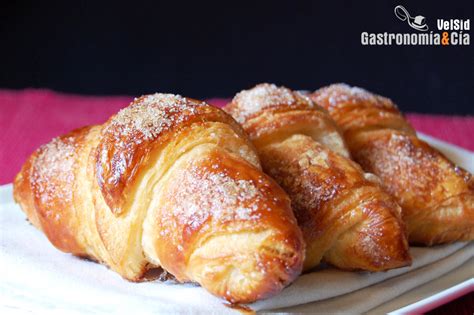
(436, 196)
(171, 182)
(347, 220)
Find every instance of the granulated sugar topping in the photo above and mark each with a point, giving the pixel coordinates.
(152, 114)
(264, 96)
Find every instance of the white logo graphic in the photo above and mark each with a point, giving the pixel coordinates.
(417, 22)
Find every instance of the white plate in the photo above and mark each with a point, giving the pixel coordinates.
(35, 277)
(438, 299)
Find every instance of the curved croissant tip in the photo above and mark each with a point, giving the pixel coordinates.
(259, 269)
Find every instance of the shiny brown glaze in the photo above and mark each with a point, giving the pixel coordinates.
(128, 138)
(211, 197)
(168, 182)
(346, 218)
(436, 196)
(331, 197)
(45, 187)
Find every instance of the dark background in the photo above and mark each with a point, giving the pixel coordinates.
(214, 50)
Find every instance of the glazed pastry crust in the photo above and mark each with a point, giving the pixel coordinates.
(437, 197)
(168, 182)
(347, 220)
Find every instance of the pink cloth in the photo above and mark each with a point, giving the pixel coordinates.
(32, 117)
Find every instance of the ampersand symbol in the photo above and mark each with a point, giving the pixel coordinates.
(445, 39)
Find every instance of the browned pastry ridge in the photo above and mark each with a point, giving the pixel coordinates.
(437, 197)
(346, 218)
(167, 182)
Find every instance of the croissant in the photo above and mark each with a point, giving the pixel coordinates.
(437, 197)
(167, 182)
(347, 220)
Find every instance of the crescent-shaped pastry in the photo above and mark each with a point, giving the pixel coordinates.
(346, 218)
(167, 182)
(437, 197)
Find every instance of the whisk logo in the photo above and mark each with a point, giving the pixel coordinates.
(452, 32)
(418, 22)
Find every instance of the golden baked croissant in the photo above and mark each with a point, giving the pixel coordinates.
(347, 220)
(436, 196)
(171, 182)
